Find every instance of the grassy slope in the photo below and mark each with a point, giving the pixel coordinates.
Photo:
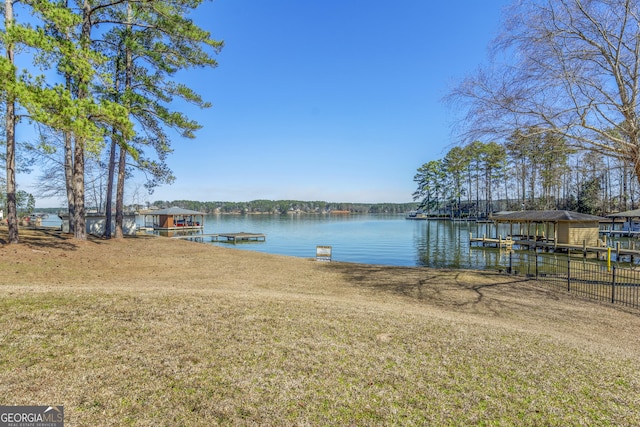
(150, 331)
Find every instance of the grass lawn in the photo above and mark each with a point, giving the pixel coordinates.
(152, 331)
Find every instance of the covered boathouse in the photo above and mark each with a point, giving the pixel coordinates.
(174, 218)
(553, 227)
(629, 222)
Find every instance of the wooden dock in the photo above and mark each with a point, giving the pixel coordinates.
(621, 233)
(506, 243)
(197, 237)
(230, 237)
(603, 251)
(548, 245)
(243, 237)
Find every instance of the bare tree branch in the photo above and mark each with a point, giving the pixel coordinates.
(571, 67)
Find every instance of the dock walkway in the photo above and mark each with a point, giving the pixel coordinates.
(493, 242)
(197, 237)
(244, 237)
(230, 237)
(619, 251)
(546, 245)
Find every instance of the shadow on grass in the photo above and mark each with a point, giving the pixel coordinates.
(49, 238)
(458, 289)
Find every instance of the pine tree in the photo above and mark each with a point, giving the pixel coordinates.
(155, 42)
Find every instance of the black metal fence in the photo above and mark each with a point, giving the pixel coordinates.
(608, 283)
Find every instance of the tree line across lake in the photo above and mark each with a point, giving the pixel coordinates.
(287, 206)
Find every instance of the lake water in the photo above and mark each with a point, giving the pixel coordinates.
(371, 239)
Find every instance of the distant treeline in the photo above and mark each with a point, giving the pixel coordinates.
(287, 206)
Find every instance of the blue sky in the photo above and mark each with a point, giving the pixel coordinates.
(335, 100)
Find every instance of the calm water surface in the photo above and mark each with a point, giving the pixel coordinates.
(371, 239)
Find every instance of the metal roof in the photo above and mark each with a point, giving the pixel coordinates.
(174, 210)
(627, 214)
(546, 216)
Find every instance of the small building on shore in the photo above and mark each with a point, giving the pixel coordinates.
(174, 218)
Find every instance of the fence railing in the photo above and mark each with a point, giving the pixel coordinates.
(611, 284)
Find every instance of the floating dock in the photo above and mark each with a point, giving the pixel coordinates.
(243, 237)
(197, 237)
(230, 237)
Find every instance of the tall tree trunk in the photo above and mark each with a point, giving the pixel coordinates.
(109, 195)
(477, 190)
(119, 234)
(12, 205)
(80, 231)
(68, 158)
(10, 123)
(632, 194)
(506, 192)
(470, 193)
(489, 193)
(112, 155)
(128, 70)
(523, 182)
(79, 216)
(532, 186)
(624, 197)
(68, 173)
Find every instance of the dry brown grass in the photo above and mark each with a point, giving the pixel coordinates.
(152, 331)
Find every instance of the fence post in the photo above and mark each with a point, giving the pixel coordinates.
(613, 286)
(536, 255)
(568, 275)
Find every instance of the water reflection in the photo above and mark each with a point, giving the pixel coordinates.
(445, 244)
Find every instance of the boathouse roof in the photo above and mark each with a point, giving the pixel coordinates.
(174, 210)
(546, 216)
(626, 214)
